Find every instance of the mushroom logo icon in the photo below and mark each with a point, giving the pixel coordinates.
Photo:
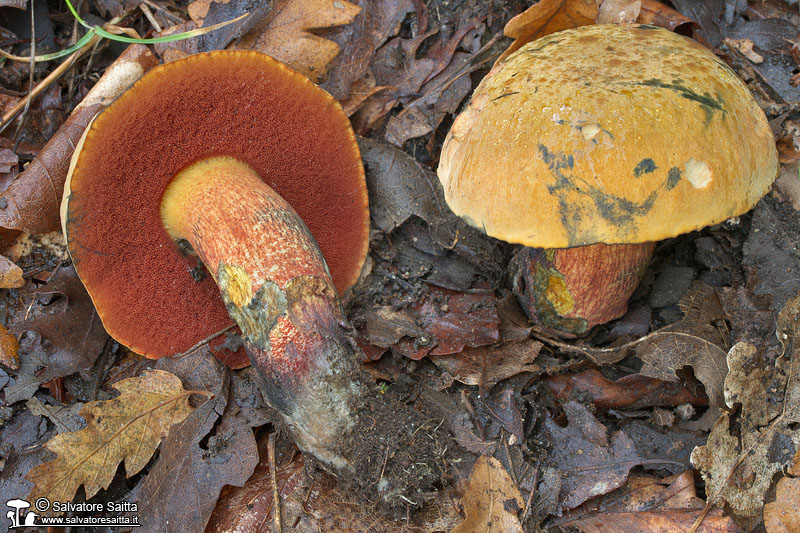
(14, 515)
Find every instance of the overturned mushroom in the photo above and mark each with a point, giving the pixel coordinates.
(218, 153)
(587, 146)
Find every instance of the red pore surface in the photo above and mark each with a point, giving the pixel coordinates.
(227, 103)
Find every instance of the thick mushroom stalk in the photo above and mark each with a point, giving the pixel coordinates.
(277, 288)
(570, 290)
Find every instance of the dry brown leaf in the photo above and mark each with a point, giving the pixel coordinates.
(9, 347)
(619, 11)
(590, 461)
(128, 427)
(286, 34)
(492, 500)
(488, 365)
(31, 202)
(697, 340)
(783, 515)
(649, 505)
(10, 274)
(550, 16)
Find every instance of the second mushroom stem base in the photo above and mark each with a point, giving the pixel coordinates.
(568, 291)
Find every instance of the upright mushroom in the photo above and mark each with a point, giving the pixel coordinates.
(589, 145)
(201, 156)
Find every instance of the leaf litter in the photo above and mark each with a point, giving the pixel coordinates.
(634, 399)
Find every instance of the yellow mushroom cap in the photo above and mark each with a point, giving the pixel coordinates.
(607, 134)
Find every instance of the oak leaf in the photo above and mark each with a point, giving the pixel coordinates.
(286, 34)
(128, 427)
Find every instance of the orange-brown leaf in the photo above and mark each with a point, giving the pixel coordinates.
(9, 347)
(783, 515)
(10, 274)
(128, 427)
(286, 34)
(492, 500)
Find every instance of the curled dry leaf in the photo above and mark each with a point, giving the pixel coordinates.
(492, 500)
(287, 34)
(31, 202)
(128, 427)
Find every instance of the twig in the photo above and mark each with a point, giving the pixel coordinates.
(526, 511)
(149, 14)
(273, 474)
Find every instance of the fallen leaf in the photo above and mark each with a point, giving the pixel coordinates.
(486, 366)
(31, 202)
(783, 514)
(378, 21)
(492, 500)
(590, 461)
(287, 34)
(696, 341)
(766, 34)
(649, 505)
(211, 448)
(128, 427)
(771, 250)
(634, 391)
(9, 348)
(70, 324)
(10, 274)
(745, 47)
(618, 11)
(546, 17)
(747, 449)
(550, 16)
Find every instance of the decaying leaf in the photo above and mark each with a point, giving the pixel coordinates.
(70, 324)
(634, 391)
(287, 34)
(31, 202)
(619, 11)
(492, 500)
(10, 274)
(783, 515)
(487, 365)
(128, 427)
(649, 505)
(9, 348)
(378, 21)
(746, 450)
(590, 461)
(214, 446)
(550, 16)
(698, 340)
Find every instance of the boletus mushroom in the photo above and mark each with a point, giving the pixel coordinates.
(589, 145)
(235, 157)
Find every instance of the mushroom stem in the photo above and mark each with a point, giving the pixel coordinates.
(276, 287)
(570, 290)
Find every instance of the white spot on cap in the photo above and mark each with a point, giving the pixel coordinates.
(590, 131)
(698, 173)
